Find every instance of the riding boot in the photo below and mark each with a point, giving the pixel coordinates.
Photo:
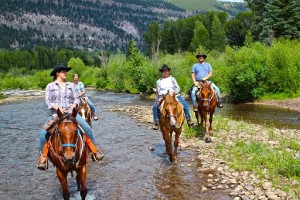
(97, 155)
(94, 116)
(189, 122)
(195, 108)
(156, 126)
(219, 104)
(44, 153)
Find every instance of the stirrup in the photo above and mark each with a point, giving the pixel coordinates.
(97, 158)
(42, 166)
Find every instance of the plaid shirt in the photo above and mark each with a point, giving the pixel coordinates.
(64, 98)
(80, 88)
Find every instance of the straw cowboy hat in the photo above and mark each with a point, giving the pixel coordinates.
(200, 54)
(58, 68)
(164, 67)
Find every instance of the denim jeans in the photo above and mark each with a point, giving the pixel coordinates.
(91, 106)
(85, 126)
(185, 108)
(193, 94)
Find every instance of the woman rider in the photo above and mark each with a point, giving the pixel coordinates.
(62, 95)
(163, 85)
(81, 93)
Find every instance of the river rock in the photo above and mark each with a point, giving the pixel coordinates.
(267, 186)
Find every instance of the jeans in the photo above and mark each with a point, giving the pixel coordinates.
(85, 126)
(193, 94)
(185, 108)
(91, 106)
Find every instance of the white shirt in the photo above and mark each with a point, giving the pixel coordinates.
(163, 85)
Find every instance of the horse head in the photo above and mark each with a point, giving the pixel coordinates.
(205, 94)
(67, 133)
(169, 108)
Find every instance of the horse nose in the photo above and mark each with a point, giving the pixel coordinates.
(70, 160)
(172, 122)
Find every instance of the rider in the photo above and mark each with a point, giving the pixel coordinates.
(81, 93)
(165, 84)
(62, 95)
(202, 71)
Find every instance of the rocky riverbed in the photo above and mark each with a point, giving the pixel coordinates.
(244, 184)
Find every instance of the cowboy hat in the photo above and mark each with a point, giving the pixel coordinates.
(200, 54)
(58, 68)
(164, 67)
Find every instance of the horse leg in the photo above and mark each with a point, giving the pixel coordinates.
(207, 125)
(176, 142)
(167, 138)
(64, 183)
(81, 174)
(197, 117)
(210, 122)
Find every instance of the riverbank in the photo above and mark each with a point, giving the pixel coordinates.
(21, 95)
(219, 163)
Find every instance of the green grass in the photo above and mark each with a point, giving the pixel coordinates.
(2, 96)
(279, 96)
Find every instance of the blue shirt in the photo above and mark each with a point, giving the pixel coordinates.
(201, 70)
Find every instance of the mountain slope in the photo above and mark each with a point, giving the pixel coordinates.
(89, 24)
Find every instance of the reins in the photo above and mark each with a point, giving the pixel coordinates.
(175, 116)
(79, 137)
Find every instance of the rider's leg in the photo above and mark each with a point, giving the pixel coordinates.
(90, 138)
(186, 110)
(194, 101)
(44, 149)
(218, 95)
(94, 116)
(155, 114)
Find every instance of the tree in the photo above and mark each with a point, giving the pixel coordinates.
(218, 36)
(258, 9)
(201, 37)
(153, 39)
(281, 19)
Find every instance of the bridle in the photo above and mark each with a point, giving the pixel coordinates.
(168, 116)
(68, 119)
(209, 99)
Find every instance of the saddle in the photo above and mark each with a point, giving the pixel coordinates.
(51, 125)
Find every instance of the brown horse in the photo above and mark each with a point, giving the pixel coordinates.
(84, 111)
(171, 119)
(68, 152)
(207, 101)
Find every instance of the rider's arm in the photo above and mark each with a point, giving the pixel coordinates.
(208, 76)
(175, 85)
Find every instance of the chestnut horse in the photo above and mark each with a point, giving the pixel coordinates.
(171, 119)
(68, 152)
(207, 101)
(84, 111)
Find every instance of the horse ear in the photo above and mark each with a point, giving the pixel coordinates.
(74, 112)
(210, 83)
(59, 113)
(201, 83)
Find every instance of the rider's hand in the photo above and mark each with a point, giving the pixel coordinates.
(196, 83)
(204, 79)
(154, 90)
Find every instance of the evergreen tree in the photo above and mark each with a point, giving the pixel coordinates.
(258, 9)
(218, 37)
(201, 37)
(281, 19)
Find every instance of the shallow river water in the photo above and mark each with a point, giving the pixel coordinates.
(129, 170)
